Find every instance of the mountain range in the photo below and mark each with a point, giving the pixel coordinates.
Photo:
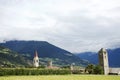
(113, 57)
(46, 52)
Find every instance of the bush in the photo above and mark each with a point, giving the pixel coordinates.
(94, 69)
(98, 70)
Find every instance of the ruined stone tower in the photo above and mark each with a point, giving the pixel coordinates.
(50, 64)
(103, 60)
(36, 60)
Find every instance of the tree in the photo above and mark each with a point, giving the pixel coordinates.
(90, 68)
(98, 70)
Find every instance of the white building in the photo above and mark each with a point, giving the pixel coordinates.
(36, 60)
(114, 71)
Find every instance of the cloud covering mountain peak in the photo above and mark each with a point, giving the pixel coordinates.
(75, 25)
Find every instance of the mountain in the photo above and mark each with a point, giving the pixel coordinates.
(90, 56)
(113, 57)
(9, 58)
(46, 52)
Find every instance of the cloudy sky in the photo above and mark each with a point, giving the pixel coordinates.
(75, 25)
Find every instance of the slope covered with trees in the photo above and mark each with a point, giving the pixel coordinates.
(9, 58)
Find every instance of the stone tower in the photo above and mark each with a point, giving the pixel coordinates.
(103, 60)
(50, 64)
(36, 60)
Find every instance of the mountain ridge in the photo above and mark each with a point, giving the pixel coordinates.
(46, 51)
(113, 57)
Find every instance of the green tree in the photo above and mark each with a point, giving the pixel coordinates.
(90, 68)
(98, 70)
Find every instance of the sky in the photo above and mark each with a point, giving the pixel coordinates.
(74, 25)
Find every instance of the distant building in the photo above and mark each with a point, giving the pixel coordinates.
(50, 65)
(114, 71)
(103, 61)
(36, 60)
(71, 67)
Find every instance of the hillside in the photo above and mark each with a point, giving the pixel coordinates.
(90, 56)
(46, 52)
(113, 57)
(9, 58)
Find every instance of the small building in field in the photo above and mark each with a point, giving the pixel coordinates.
(115, 71)
(50, 65)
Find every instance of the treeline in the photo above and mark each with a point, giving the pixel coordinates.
(90, 69)
(24, 71)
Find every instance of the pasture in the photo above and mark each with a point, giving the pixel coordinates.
(62, 77)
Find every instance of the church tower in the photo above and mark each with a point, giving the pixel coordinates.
(36, 60)
(103, 60)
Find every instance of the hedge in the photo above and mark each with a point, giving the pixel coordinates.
(13, 71)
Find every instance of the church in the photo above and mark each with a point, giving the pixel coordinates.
(36, 60)
(104, 63)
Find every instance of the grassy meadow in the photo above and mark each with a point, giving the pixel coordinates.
(62, 77)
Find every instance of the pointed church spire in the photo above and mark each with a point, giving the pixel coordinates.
(36, 54)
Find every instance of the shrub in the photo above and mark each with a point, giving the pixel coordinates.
(98, 70)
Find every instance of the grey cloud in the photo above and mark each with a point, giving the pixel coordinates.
(74, 25)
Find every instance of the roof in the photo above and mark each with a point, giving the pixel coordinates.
(102, 50)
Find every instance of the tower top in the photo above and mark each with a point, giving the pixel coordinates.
(102, 50)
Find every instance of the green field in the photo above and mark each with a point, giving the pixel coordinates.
(61, 77)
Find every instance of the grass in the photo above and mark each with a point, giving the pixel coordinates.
(62, 77)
